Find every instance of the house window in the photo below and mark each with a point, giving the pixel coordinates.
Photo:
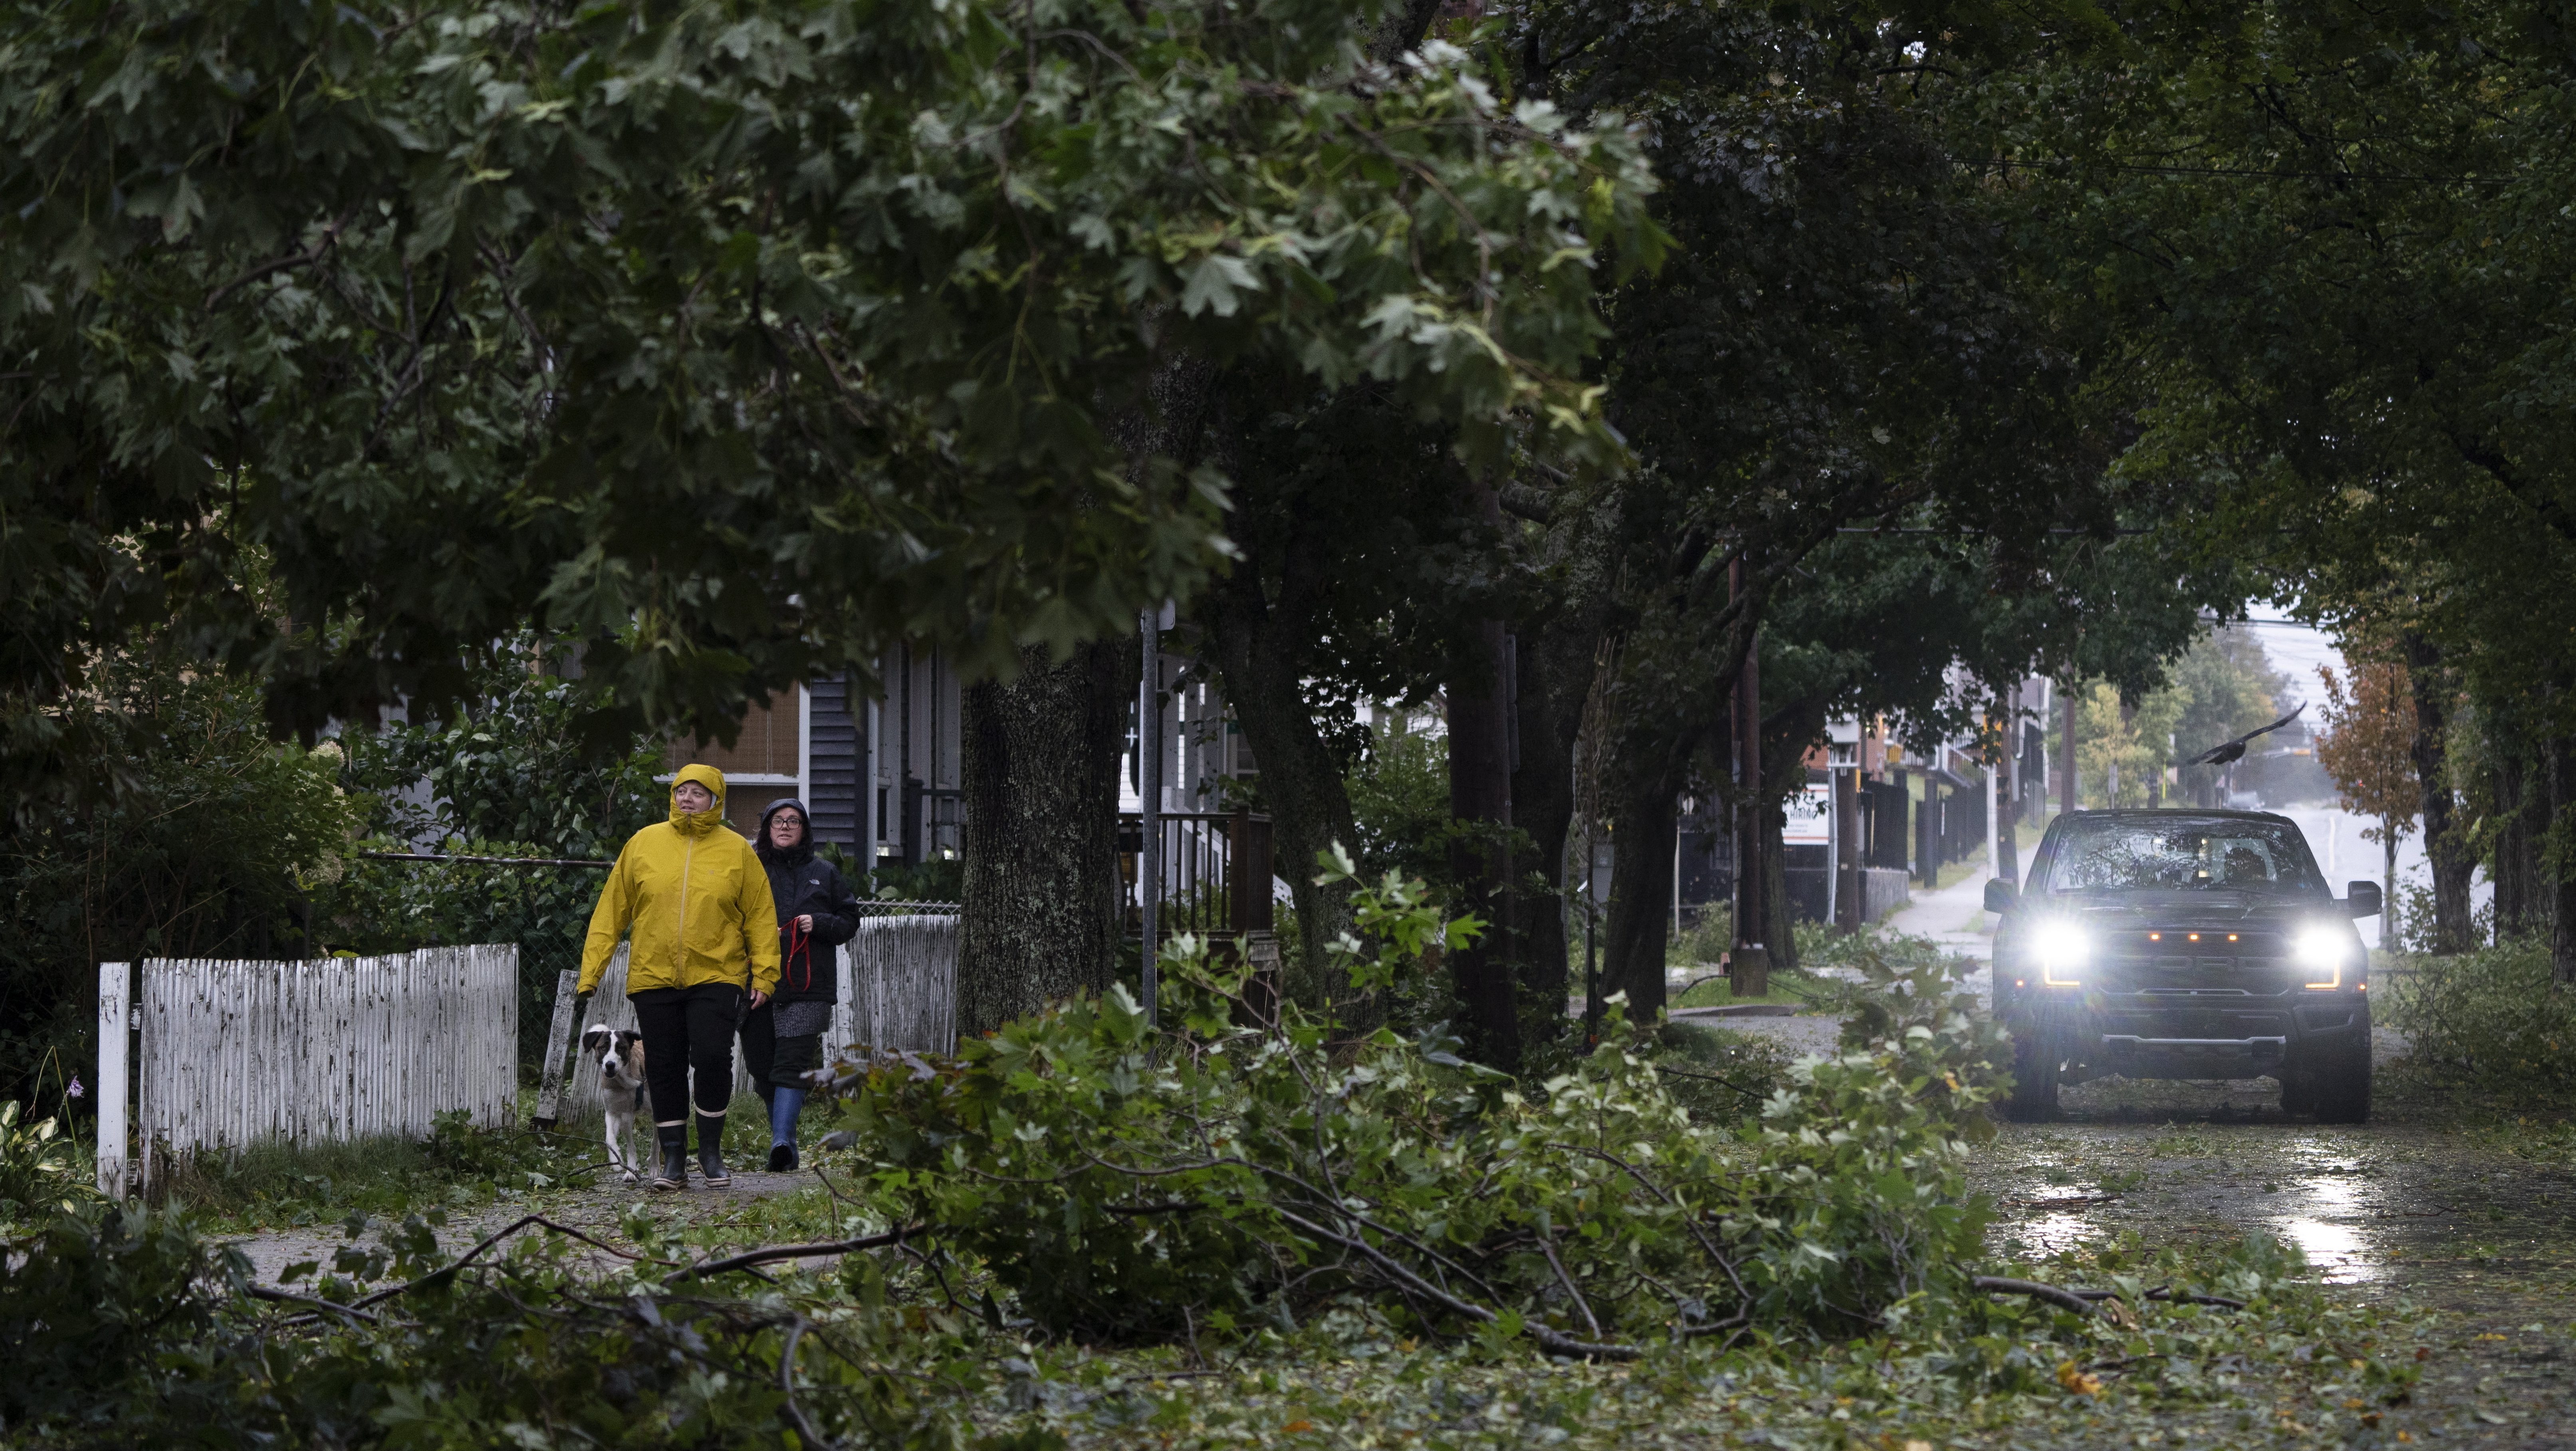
(760, 766)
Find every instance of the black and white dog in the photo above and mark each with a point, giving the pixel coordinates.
(620, 1057)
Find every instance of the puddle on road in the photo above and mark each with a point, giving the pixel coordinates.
(2379, 1205)
(2328, 1227)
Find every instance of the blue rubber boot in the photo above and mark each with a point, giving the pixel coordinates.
(784, 1106)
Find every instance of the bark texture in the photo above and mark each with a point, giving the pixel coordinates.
(1040, 764)
(2445, 853)
(1641, 890)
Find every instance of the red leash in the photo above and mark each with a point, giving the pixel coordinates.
(798, 945)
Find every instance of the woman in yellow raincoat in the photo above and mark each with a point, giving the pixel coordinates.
(706, 934)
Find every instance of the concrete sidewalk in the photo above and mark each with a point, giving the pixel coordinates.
(1955, 917)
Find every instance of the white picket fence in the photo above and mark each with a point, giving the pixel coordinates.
(237, 1053)
(898, 991)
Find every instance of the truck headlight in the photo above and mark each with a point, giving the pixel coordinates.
(2063, 950)
(2323, 952)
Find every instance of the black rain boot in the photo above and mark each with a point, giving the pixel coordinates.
(674, 1139)
(711, 1150)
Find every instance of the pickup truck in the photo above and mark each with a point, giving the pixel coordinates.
(2183, 944)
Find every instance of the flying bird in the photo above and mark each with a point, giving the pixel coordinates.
(2231, 751)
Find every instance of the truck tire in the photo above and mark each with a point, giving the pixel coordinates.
(2295, 1091)
(2338, 1088)
(2034, 1094)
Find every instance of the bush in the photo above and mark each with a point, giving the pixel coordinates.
(40, 1171)
(205, 849)
(2493, 1018)
(1111, 1175)
(127, 1329)
(1399, 790)
(93, 1302)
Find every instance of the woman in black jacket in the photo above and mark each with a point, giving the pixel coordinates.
(782, 1039)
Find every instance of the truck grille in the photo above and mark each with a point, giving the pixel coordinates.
(2145, 957)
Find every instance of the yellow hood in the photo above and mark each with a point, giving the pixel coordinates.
(699, 823)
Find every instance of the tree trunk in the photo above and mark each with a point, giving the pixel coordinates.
(2443, 851)
(1779, 919)
(1480, 805)
(2554, 873)
(2008, 808)
(1254, 644)
(2516, 902)
(1555, 678)
(1641, 889)
(1040, 766)
(2391, 925)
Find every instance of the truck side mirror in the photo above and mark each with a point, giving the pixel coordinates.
(2362, 899)
(2000, 895)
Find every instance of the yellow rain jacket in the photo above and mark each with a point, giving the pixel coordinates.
(693, 890)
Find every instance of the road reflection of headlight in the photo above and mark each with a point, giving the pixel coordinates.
(2063, 949)
(2323, 952)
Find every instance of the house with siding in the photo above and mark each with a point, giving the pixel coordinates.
(881, 776)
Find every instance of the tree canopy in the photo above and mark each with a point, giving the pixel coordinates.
(732, 342)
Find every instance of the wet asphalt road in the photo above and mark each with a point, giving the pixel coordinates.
(2426, 1210)
(2454, 1213)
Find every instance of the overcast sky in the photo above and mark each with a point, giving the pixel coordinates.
(2296, 650)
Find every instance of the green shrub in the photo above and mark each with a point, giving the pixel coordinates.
(2493, 1017)
(40, 1170)
(127, 1329)
(94, 1302)
(1115, 1177)
(205, 849)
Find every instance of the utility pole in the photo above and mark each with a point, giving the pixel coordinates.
(1149, 792)
(2066, 801)
(1994, 823)
(1850, 911)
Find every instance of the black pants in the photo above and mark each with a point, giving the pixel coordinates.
(685, 1029)
(775, 1062)
(759, 1048)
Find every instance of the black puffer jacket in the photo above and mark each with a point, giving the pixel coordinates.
(803, 884)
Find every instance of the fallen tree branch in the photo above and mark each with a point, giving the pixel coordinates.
(1548, 1340)
(1567, 1281)
(289, 1297)
(2184, 1297)
(768, 1254)
(2064, 1299)
(787, 1389)
(441, 1274)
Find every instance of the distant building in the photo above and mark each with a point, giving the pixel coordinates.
(880, 776)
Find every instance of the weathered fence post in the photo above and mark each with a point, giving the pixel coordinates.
(115, 1015)
(558, 1044)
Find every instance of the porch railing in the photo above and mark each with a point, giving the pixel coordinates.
(1216, 873)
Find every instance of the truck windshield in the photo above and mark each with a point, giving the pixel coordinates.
(2181, 854)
